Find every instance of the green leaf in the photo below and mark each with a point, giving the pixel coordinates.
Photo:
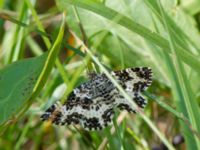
(23, 80)
(16, 84)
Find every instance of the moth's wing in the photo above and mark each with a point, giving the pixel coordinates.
(97, 119)
(90, 105)
(134, 81)
(93, 117)
(124, 104)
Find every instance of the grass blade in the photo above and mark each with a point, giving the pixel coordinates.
(110, 14)
(183, 94)
(52, 56)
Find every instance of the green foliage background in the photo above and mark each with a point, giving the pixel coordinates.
(46, 46)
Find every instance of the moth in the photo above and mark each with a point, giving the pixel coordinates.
(93, 103)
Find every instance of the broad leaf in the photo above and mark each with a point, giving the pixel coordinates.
(17, 81)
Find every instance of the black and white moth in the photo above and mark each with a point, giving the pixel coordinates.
(92, 104)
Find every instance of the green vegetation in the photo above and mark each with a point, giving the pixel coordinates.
(48, 45)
